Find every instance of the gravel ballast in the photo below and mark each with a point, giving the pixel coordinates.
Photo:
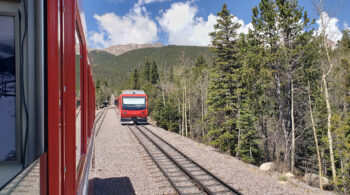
(121, 164)
(247, 178)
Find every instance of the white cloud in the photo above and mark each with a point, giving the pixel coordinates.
(134, 27)
(184, 28)
(244, 27)
(179, 22)
(331, 27)
(346, 26)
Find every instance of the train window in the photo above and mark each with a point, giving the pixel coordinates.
(22, 124)
(7, 90)
(134, 103)
(9, 135)
(78, 97)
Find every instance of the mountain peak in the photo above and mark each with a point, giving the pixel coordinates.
(120, 49)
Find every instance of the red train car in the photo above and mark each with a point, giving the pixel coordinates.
(47, 97)
(132, 106)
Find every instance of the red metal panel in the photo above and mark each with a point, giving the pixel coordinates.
(62, 94)
(69, 98)
(57, 165)
(88, 106)
(43, 174)
(53, 98)
(90, 101)
(90, 111)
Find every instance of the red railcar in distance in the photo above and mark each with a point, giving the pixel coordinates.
(132, 105)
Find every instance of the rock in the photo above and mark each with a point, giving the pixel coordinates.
(268, 166)
(289, 175)
(313, 180)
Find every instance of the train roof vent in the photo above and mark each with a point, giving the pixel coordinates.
(134, 92)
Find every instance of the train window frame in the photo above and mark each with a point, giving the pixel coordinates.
(18, 104)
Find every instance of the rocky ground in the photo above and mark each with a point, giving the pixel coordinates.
(249, 179)
(123, 167)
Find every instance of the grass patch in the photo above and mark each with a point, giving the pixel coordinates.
(283, 178)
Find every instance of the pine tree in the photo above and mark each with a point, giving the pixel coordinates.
(311, 77)
(339, 83)
(199, 65)
(147, 70)
(345, 41)
(171, 74)
(248, 147)
(248, 138)
(154, 73)
(135, 80)
(268, 105)
(223, 79)
(283, 24)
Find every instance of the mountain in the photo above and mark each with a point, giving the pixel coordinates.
(120, 49)
(116, 69)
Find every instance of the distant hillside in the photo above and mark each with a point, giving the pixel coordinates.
(115, 69)
(120, 49)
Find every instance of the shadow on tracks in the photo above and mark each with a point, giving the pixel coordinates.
(114, 185)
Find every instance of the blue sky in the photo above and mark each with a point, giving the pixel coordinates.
(185, 22)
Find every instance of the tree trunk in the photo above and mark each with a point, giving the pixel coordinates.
(266, 139)
(315, 136)
(324, 75)
(185, 102)
(163, 94)
(205, 100)
(343, 175)
(250, 150)
(179, 111)
(189, 115)
(202, 100)
(281, 119)
(202, 107)
(275, 153)
(239, 135)
(293, 125)
(183, 114)
(330, 140)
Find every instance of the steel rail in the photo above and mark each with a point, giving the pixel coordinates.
(77, 114)
(189, 159)
(156, 162)
(198, 183)
(99, 117)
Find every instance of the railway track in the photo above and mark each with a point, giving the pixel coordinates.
(77, 114)
(185, 175)
(100, 117)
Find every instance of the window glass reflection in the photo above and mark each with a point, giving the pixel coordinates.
(9, 162)
(7, 90)
(78, 98)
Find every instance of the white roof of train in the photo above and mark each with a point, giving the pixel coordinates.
(133, 92)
